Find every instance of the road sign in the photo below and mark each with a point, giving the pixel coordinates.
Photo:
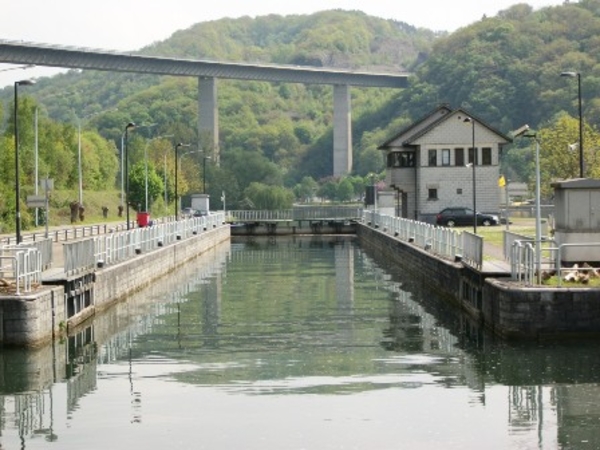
(36, 201)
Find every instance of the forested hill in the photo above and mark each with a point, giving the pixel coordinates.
(505, 69)
(279, 123)
(340, 39)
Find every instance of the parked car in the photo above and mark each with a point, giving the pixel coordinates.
(188, 212)
(458, 216)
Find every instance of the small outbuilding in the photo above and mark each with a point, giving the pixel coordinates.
(577, 220)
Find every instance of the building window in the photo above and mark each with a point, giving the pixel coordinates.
(401, 159)
(459, 156)
(445, 157)
(472, 155)
(486, 156)
(432, 157)
(459, 191)
(432, 194)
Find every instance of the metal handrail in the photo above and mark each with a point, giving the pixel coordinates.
(441, 241)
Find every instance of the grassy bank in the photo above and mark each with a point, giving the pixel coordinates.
(94, 202)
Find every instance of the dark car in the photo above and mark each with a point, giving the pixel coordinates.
(458, 217)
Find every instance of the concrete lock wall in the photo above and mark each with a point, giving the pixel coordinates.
(504, 306)
(514, 312)
(34, 320)
(441, 275)
(31, 320)
(115, 282)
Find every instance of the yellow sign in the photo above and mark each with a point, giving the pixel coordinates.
(501, 181)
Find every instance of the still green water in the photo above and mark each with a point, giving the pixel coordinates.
(296, 343)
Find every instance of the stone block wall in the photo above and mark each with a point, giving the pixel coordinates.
(507, 308)
(31, 320)
(540, 313)
(34, 320)
(115, 282)
(441, 275)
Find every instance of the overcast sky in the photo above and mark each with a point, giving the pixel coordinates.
(133, 24)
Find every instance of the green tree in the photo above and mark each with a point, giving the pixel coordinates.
(345, 190)
(267, 197)
(137, 186)
(306, 189)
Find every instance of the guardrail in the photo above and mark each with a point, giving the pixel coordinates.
(111, 248)
(20, 269)
(524, 265)
(298, 213)
(441, 241)
(472, 249)
(21, 266)
(66, 233)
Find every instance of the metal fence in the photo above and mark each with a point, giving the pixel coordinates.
(297, 213)
(21, 266)
(441, 241)
(20, 269)
(526, 268)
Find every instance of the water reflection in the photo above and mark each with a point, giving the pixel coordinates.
(284, 320)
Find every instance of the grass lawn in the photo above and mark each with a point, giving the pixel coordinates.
(493, 235)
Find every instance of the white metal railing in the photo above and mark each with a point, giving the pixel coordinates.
(297, 213)
(20, 268)
(472, 249)
(66, 233)
(525, 266)
(441, 241)
(43, 245)
(259, 215)
(560, 269)
(509, 238)
(115, 247)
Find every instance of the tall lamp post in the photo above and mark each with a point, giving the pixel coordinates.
(17, 181)
(129, 126)
(146, 166)
(177, 147)
(578, 76)
(474, 163)
(538, 213)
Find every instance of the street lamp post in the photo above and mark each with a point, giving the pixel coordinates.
(17, 181)
(79, 169)
(177, 147)
(165, 178)
(538, 212)
(578, 76)
(474, 163)
(128, 127)
(146, 167)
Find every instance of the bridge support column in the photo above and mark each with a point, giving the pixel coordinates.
(208, 117)
(342, 131)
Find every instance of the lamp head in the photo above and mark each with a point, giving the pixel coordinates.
(24, 82)
(130, 126)
(520, 131)
(569, 74)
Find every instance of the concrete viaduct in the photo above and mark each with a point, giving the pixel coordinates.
(207, 72)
